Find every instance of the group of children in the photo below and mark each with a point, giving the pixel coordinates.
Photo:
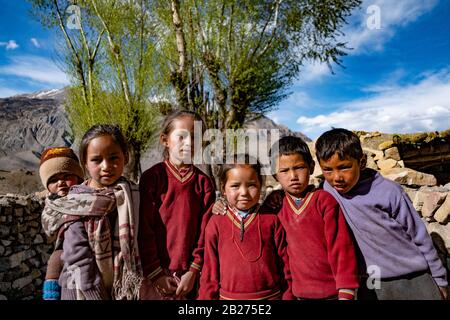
(168, 238)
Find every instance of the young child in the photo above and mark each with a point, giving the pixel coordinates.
(101, 260)
(176, 205)
(395, 246)
(245, 251)
(322, 256)
(59, 169)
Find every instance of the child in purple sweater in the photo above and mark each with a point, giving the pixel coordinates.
(395, 248)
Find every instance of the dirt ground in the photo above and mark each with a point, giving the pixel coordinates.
(20, 182)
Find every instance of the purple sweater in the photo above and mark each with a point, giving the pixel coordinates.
(388, 230)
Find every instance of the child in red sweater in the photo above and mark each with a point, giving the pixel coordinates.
(176, 202)
(245, 250)
(321, 251)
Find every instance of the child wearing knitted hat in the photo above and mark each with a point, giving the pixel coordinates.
(59, 169)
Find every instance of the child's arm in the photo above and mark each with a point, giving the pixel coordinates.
(208, 203)
(408, 217)
(210, 275)
(51, 289)
(283, 262)
(80, 266)
(147, 241)
(341, 251)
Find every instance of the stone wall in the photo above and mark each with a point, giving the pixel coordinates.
(24, 250)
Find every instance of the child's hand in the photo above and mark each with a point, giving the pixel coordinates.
(167, 285)
(275, 199)
(220, 207)
(444, 292)
(186, 284)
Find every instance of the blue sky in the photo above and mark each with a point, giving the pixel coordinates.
(396, 77)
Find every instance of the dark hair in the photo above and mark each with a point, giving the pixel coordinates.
(99, 130)
(167, 125)
(237, 161)
(341, 141)
(287, 146)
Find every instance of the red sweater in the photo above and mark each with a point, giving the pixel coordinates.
(174, 211)
(321, 251)
(256, 268)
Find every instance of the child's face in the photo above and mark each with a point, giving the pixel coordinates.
(293, 173)
(243, 188)
(104, 161)
(342, 174)
(180, 140)
(61, 182)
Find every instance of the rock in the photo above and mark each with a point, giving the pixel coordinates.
(17, 258)
(2, 297)
(392, 153)
(4, 231)
(432, 201)
(411, 194)
(442, 231)
(22, 282)
(18, 212)
(376, 154)
(34, 224)
(371, 163)
(442, 215)
(401, 163)
(38, 239)
(2, 250)
(6, 243)
(409, 177)
(386, 164)
(5, 286)
(418, 200)
(386, 145)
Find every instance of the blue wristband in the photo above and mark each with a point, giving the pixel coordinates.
(51, 290)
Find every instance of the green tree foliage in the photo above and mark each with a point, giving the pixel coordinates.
(225, 59)
(108, 52)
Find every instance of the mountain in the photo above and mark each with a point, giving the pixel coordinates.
(29, 123)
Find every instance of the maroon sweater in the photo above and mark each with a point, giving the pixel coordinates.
(255, 268)
(321, 251)
(174, 211)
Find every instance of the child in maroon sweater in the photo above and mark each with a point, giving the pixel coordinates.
(322, 256)
(245, 251)
(176, 203)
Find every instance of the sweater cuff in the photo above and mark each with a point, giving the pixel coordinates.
(155, 273)
(346, 294)
(51, 290)
(194, 267)
(441, 281)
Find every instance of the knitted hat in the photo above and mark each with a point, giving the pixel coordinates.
(59, 160)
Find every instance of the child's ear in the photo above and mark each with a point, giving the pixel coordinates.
(311, 167)
(363, 162)
(163, 139)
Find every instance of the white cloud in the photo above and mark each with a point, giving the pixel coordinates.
(364, 36)
(36, 68)
(423, 106)
(314, 71)
(35, 42)
(10, 45)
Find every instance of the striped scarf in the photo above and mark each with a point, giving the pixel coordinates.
(117, 261)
